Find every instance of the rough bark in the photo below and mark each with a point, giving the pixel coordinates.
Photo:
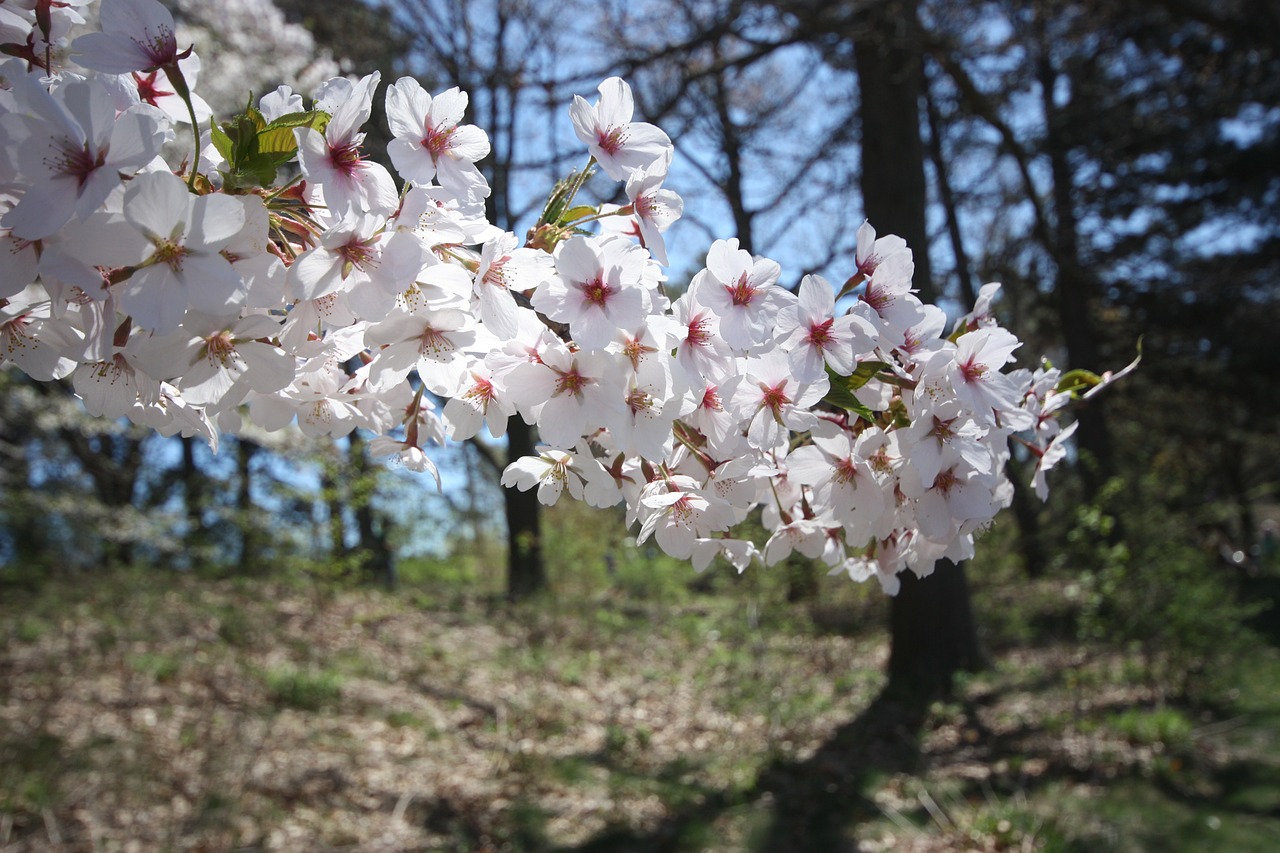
(246, 514)
(1074, 287)
(932, 631)
(376, 559)
(526, 571)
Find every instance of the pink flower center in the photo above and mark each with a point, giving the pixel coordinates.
(433, 342)
(942, 430)
(820, 334)
(78, 163)
(878, 298)
(775, 397)
(436, 140)
(161, 49)
(612, 140)
(494, 275)
(846, 472)
(118, 367)
(634, 350)
(711, 399)
(571, 382)
(220, 348)
(356, 254)
(869, 264)
(742, 292)
(647, 207)
(149, 89)
(682, 511)
(171, 254)
(596, 292)
(481, 391)
(699, 331)
(345, 158)
(880, 462)
(972, 371)
(639, 401)
(946, 481)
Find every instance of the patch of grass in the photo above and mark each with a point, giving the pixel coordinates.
(30, 769)
(409, 720)
(235, 628)
(31, 628)
(162, 667)
(1250, 788)
(305, 690)
(352, 662)
(1167, 726)
(1014, 826)
(1143, 819)
(528, 825)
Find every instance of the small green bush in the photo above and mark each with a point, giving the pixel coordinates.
(1148, 586)
(304, 690)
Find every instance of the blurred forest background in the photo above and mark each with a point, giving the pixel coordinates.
(290, 646)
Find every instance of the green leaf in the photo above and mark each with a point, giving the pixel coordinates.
(840, 394)
(220, 140)
(314, 119)
(279, 140)
(562, 195)
(278, 137)
(1075, 380)
(581, 211)
(258, 119)
(554, 209)
(243, 133)
(258, 170)
(863, 373)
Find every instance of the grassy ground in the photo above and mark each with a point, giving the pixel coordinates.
(147, 711)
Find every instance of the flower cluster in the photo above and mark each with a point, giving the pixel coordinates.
(867, 434)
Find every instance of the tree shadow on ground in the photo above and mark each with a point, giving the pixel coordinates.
(816, 804)
(812, 803)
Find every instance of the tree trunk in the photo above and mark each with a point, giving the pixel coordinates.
(246, 516)
(376, 560)
(526, 572)
(932, 633)
(1026, 510)
(194, 493)
(1075, 286)
(932, 630)
(333, 499)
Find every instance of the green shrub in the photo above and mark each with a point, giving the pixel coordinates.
(304, 690)
(1148, 586)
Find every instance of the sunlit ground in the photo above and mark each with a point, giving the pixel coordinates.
(149, 711)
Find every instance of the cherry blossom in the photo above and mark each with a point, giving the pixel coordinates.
(743, 292)
(73, 151)
(479, 400)
(865, 438)
(183, 265)
(597, 289)
(678, 513)
(844, 482)
(815, 337)
(621, 146)
(505, 268)
(654, 208)
(355, 256)
(137, 35)
(337, 173)
(429, 141)
(551, 471)
(776, 400)
(975, 372)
